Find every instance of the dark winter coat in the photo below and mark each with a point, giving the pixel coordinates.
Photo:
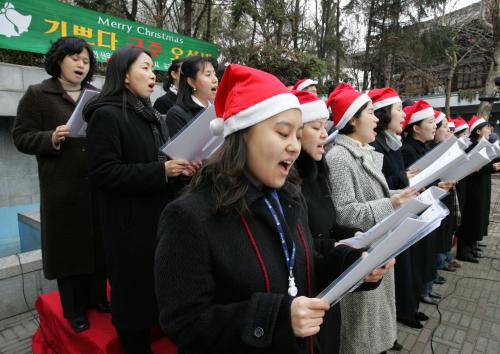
(395, 174)
(423, 253)
(475, 218)
(180, 115)
(324, 228)
(165, 102)
(71, 240)
(222, 279)
(393, 167)
(449, 224)
(133, 190)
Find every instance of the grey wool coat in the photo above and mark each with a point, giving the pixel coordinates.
(71, 238)
(361, 199)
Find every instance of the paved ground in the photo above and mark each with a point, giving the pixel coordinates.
(470, 310)
(466, 321)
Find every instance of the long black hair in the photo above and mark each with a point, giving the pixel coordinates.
(174, 66)
(118, 66)
(63, 47)
(114, 83)
(189, 69)
(225, 174)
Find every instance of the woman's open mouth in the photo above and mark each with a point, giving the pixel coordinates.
(285, 166)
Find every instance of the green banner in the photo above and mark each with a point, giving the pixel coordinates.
(31, 26)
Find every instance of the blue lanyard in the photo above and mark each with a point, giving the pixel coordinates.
(290, 261)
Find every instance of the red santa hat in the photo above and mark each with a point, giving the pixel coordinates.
(313, 108)
(383, 97)
(460, 125)
(418, 111)
(439, 116)
(451, 123)
(303, 84)
(345, 102)
(475, 122)
(247, 96)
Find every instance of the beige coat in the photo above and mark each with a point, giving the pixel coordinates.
(361, 199)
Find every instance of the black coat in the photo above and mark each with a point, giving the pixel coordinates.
(71, 239)
(180, 115)
(133, 190)
(177, 118)
(324, 228)
(393, 167)
(477, 199)
(423, 253)
(165, 102)
(222, 286)
(445, 232)
(395, 174)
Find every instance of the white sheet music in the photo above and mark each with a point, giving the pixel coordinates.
(473, 163)
(426, 160)
(412, 207)
(453, 156)
(77, 126)
(496, 146)
(483, 143)
(410, 231)
(195, 141)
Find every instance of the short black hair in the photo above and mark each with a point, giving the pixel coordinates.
(474, 136)
(349, 129)
(174, 66)
(409, 128)
(407, 103)
(63, 47)
(384, 118)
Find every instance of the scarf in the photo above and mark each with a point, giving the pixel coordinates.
(392, 140)
(157, 122)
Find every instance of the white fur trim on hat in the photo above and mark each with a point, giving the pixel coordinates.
(306, 83)
(460, 128)
(421, 115)
(386, 102)
(260, 112)
(351, 111)
(313, 111)
(440, 117)
(476, 123)
(451, 124)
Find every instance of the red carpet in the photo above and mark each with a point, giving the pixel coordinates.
(55, 336)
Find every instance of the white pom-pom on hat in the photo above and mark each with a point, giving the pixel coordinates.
(217, 126)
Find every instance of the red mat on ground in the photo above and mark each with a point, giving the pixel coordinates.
(55, 336)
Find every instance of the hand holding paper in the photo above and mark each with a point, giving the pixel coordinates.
(76, 125)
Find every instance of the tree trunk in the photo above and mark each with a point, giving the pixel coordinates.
(485, 108)
(451, 73)
(367, 44)
(337, 34)
(133, 12)
(254, 30)
(188, 12)
(295, 25)
(208, 34)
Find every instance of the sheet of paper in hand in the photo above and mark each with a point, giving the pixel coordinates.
(448, 160)
(77, 126)
(412, 207)
(195, 141)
